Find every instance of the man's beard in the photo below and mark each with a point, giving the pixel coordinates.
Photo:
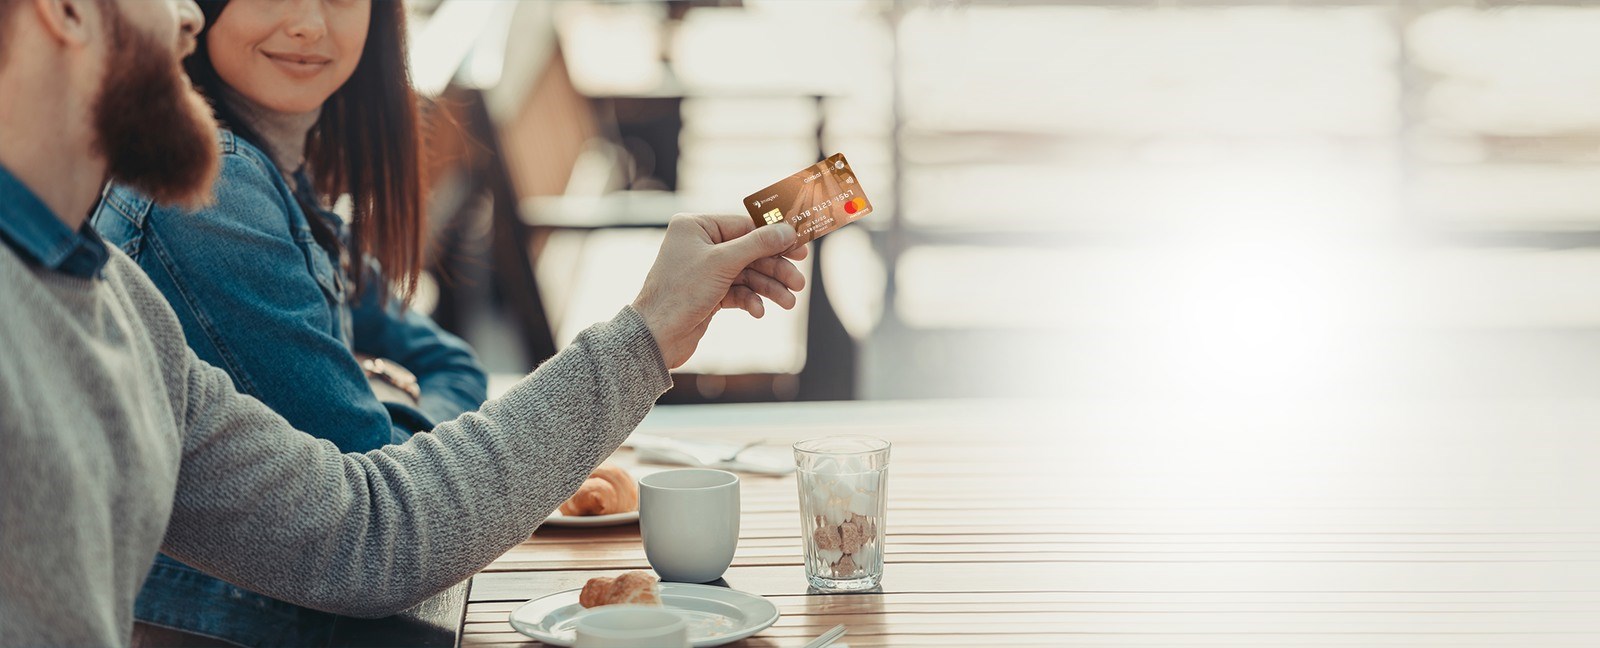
(157, 134)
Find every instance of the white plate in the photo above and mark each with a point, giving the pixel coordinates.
(716, 615)
(559, 519)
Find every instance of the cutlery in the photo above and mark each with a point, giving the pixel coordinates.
(743, 448)
(827, 638)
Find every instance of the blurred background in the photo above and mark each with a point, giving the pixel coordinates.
(1203, 199)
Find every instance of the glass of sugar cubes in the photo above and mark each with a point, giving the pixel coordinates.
(842, 480)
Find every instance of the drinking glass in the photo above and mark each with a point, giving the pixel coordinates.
(842, 481)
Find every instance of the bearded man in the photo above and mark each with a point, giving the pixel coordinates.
(116, 441)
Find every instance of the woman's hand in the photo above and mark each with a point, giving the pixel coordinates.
(709, 262)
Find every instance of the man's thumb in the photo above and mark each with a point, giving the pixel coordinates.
(763, 242)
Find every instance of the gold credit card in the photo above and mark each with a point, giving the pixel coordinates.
(819, 199)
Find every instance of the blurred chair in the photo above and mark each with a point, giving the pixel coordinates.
(502, 167)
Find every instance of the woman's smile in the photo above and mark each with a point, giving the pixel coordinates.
(298, 65)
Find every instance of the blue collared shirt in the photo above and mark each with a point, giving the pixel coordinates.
(38, 236)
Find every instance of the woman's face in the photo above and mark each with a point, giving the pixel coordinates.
(288, 55)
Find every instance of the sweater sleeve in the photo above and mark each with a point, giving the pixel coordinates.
(285, 514)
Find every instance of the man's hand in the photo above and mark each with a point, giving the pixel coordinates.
(709, 262)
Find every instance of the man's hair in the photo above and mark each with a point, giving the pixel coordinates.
(156, 133)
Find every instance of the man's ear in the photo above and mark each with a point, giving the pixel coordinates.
(67, 21)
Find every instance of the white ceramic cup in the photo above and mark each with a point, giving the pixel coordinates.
(690, 522)
(630, 626)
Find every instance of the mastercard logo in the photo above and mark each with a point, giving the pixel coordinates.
(855, 205)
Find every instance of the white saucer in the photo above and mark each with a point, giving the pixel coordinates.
(716, 615)
(558, 519)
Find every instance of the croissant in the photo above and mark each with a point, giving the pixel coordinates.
(609, 489)
(635, 587)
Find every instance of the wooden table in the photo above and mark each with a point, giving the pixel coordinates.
(1161, 523)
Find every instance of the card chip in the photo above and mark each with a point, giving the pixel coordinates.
(773, 216)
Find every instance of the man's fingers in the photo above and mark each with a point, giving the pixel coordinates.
(783, 270)
(763, 242)
(743, 298)
(768, 287)
(723, 227)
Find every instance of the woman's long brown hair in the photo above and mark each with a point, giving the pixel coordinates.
(366, 145)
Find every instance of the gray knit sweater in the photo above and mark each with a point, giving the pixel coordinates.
(118, 442)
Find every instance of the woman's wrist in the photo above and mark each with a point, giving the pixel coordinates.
(393, 375)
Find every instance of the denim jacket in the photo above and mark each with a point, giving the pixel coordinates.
(258, 297)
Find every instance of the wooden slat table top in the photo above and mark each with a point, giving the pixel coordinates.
(1129, 524)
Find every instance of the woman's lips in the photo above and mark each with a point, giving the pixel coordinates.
(300, 65)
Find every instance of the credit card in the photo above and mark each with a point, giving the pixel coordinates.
(816, 200)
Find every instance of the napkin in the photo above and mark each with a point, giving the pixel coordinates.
(760, 460)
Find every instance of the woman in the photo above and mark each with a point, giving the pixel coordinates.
(277, 290)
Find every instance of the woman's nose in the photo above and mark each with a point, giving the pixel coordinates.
(306, 21)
